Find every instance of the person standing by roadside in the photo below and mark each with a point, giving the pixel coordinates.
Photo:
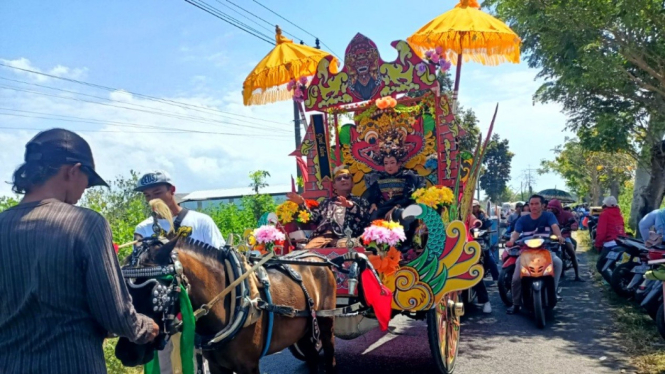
(61, 288)
(199, 226)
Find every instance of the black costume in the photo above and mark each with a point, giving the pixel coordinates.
(388, 191)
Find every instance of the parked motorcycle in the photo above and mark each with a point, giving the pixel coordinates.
(536, 268)
(633, 255)
(658, 275)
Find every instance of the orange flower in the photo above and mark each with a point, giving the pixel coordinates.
(381, 103)
(391, 101)
(387, 265)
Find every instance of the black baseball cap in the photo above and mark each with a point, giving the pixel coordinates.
(58, 147)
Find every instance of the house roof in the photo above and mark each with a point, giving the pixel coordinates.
(227, 193)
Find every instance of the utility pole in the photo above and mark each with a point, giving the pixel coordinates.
(529, 180)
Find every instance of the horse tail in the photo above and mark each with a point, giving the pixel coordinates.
(162, 210)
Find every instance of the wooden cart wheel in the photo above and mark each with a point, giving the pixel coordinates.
(443, 331)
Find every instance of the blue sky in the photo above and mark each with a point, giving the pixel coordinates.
(173, 50)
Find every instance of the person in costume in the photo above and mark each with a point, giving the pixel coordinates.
(334, 215)
(393, 188)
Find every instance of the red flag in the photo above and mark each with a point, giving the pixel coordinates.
(378, 297)
(115, 247)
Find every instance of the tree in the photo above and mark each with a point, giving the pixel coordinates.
(121, 206)
(235, 219)
(7, 202)
(496, 165)
(590, 174)
(603, 60)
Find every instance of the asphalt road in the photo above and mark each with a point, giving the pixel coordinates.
(579, 339)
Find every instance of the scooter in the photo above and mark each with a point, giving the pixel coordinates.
(659, 276)
(625, 250)
(633, 264)
(536, 268)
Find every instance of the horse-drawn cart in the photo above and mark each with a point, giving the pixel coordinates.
(399, 104)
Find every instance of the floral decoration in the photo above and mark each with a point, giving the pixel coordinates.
(437, 57)
(433, 197)
(289, 211)
(298, 88)
(386, 102)
(384, 236)
(265, 238)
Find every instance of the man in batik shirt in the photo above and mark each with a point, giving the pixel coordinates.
(334, 215)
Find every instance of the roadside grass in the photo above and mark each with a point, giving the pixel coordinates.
(642, 341)
(113, 365)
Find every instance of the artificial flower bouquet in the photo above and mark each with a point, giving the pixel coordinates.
(266, 239)
(436, 197)
(383, 236)
(288, 212)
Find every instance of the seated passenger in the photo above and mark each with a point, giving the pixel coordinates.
(393, 188)
(334, 215)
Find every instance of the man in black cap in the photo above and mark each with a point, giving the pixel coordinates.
(61, 288)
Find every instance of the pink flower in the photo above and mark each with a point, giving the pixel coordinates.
(297, 92)
(444, 64)
(429, 54)
(438, 50)
(268, 234)
(290, 85)
(303, 80)
(435, 58)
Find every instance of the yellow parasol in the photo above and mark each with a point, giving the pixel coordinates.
(287, 61)
(469, 33)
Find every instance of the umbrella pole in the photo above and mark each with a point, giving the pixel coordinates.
(458, 73)
(296, 121)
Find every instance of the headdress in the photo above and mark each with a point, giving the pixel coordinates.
(339, 170)
(392, 145)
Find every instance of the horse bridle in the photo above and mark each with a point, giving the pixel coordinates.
(165, 281)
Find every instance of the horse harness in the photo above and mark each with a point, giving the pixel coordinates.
(242, 306)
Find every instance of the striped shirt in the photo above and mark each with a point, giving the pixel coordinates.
(61, 291)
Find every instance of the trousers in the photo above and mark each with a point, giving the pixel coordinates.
(516, 286)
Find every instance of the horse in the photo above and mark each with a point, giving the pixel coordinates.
(203, 267)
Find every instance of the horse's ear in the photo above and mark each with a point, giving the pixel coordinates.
(162, 254)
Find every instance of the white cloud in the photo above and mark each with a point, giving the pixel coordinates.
(195, 160)
(59, 70)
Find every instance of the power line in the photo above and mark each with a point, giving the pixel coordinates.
(309, 33)
(122, 124)
(181, 104)
(269, 23)
(206, 8)
(232, 19)
(115, 124)
(160, 113)
(261, 127)
(244, 16)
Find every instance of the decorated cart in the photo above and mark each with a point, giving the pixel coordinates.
(355, 112)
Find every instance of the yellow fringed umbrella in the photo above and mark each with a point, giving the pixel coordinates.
(468, 33)
(287, 61)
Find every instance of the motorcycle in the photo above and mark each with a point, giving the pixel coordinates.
(629, 271)
(483, 238)
(592, 224)
(658, 275)
(536, 268)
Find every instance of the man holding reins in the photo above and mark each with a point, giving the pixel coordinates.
(187, 223)
(61, 287)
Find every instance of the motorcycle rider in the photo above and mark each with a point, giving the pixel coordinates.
(489, 261)
(610, 226)
(480, 288)
(655, 219)
(536, 221)
(564, 218)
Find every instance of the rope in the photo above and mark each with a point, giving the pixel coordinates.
(205, 308)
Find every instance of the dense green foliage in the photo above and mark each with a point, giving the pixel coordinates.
(496, 165)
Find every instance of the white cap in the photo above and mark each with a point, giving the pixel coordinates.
(610, 201)
(153, 179)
